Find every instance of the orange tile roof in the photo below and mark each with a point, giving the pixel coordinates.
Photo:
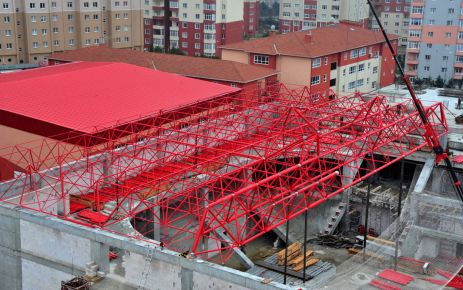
(324, 41)
(199, 67)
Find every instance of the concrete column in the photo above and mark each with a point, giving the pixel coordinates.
(156, 217)
(10, 250)
(99, 253)
(186, 277)
(348, 175)
(249, 224)
(204, 193)
(437, 177)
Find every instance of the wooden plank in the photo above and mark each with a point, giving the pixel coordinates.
(291, 249)
(301, 257)
(309, 263)
(291, 257)
(381, 241)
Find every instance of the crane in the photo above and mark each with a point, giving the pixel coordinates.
(430, 134)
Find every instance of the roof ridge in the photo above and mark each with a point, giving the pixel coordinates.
(237, 70)
(92, 65)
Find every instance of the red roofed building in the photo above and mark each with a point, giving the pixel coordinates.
(344, 58)
(90, 100)
(230, 73)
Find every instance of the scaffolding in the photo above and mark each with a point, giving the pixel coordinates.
(210, 177)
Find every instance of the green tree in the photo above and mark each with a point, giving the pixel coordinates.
(439, 82)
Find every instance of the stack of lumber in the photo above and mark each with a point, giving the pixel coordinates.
(294, 250)
(296, 257)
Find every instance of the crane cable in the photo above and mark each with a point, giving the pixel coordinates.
(430, 134)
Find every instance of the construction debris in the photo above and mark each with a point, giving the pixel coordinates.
(335, 241)
(78, 283)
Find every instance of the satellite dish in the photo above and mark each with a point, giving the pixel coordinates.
(272, 27)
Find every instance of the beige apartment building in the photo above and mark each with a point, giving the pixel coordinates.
(298, 15)
(30, 30)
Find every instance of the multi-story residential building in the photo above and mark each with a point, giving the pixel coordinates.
(198, 27)
(33, 29)
(343, 58)
(395, 17)
(435, 43)
(148, 22)
(251, 17)
(298, 15)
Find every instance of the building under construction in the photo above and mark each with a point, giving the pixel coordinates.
(206, 187)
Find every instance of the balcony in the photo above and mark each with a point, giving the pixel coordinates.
(413, 50)
(458, 64)
(412, 73)
(412, 61)
(458, 76)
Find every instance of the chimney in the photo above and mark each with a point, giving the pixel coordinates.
(308, 37)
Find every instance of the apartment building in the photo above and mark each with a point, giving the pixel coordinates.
(30, 30)
(395, 17)
(198, 27)
(342, 58)
(435, 43)
(251, 15)
(298, 15)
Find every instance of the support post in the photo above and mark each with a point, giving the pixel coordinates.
(398, 214)
(365, 232)
(305, 244)
(286, 252)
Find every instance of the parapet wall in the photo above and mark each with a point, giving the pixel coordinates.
(37, 252)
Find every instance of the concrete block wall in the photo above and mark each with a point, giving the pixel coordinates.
(38, 251)
(10, 260)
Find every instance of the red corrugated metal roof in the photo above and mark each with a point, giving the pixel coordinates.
(89, 97)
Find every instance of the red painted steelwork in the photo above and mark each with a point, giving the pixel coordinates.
(397, 277)
(383, 285)
(214, 176)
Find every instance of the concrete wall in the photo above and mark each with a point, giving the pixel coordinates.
(38, 251)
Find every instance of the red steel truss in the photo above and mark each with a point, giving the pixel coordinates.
(213, 176)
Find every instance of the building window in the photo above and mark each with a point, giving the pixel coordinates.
(354, 53)
(362, 51)
(261, 59)
(35, 44)
(316, 62)
(352, 69)
(315, 80)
